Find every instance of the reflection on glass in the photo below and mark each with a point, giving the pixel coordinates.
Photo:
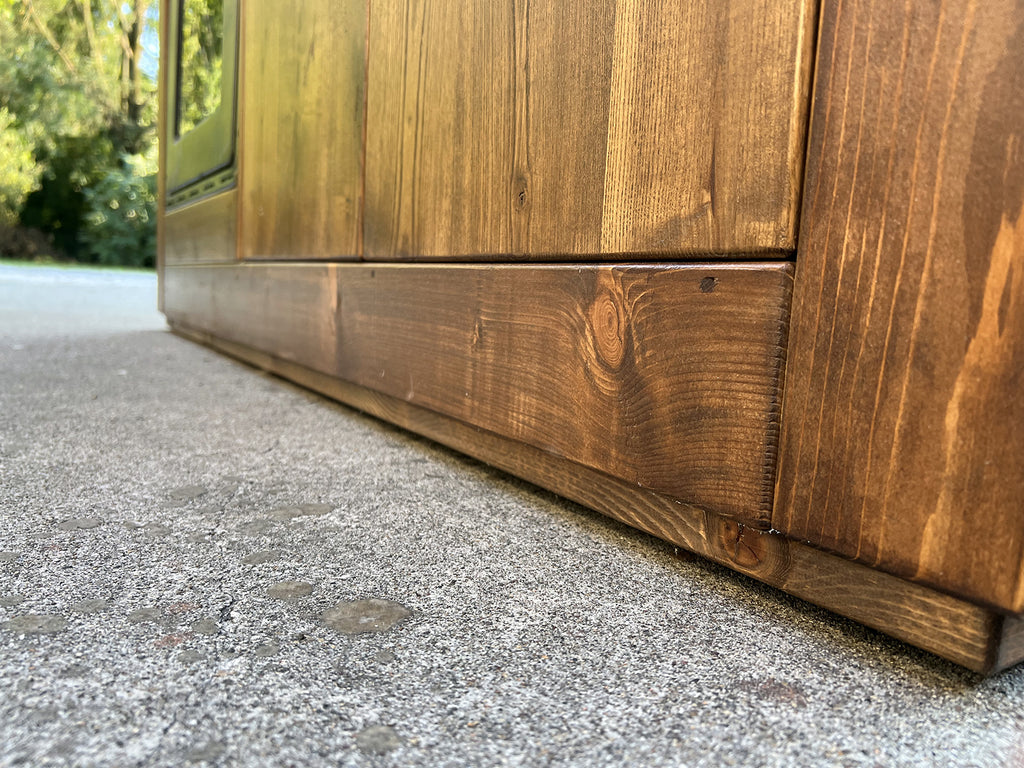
(200, 61)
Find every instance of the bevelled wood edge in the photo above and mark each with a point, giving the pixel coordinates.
(954, 629)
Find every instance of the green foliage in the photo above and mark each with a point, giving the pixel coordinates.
(19, 173)
(120, 213)
(202, 48)
(58, 206)
(76, 128)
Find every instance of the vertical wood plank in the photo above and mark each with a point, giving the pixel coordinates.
(548, 130)
(301, 129)
(706, 139)
(901, 442)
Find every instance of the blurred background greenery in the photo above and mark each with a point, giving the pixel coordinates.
(78, 138)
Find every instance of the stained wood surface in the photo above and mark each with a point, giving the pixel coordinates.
(902, 444)
(959, 631)
(301, 128)
(204, 231)
(551, 130)
(664, 376)
(1010, 645)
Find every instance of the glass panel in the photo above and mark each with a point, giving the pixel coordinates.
(200, 61)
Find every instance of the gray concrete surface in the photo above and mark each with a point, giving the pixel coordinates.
(201, 564)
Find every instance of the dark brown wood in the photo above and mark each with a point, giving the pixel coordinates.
(301, 128)
(954, 629)
(665, 376)
(551, 130)
(1010, 644)
(902, 443)
(202, 232)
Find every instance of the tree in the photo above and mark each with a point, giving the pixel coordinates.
(76, 99)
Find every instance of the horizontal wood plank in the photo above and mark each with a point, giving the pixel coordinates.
(954, 629)
(902, 443)
(664, 376)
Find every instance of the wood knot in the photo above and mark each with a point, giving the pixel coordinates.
(520, 198)
(608, 322)
(743, 547)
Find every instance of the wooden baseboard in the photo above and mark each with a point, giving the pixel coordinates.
(972, 636)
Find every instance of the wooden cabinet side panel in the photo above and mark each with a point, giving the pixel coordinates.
(901, 443)
(204, 231)
(663, 376)
(301, 128)
(551, 130)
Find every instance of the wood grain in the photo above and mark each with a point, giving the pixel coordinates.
(202, 232)
(959, 631)
(901, 443)
(550, 130)
(665, 376)
(301, 128)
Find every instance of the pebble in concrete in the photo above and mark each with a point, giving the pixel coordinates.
(287, 589)
(92, 605)
(206, 753)
(267, 649)
(187, 492)
(35, 624)
(378, 740)
(6, 601)
(264, 556)
(145, 614)
(255, 527)
(358, 616)
(300, 510)
(9, 557)
(205, 627)
(189, 656)
(156, 530)
(80, 523)
(384, 657)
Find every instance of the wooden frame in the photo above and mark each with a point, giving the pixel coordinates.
(845, 432)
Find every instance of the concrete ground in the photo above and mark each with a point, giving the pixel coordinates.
(201, 564)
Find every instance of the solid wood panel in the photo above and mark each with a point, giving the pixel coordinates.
(901, 442)
(664, 376)
(550, 130)
(301, 128)
(204, 231)
(952, 628)
(706, 136)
